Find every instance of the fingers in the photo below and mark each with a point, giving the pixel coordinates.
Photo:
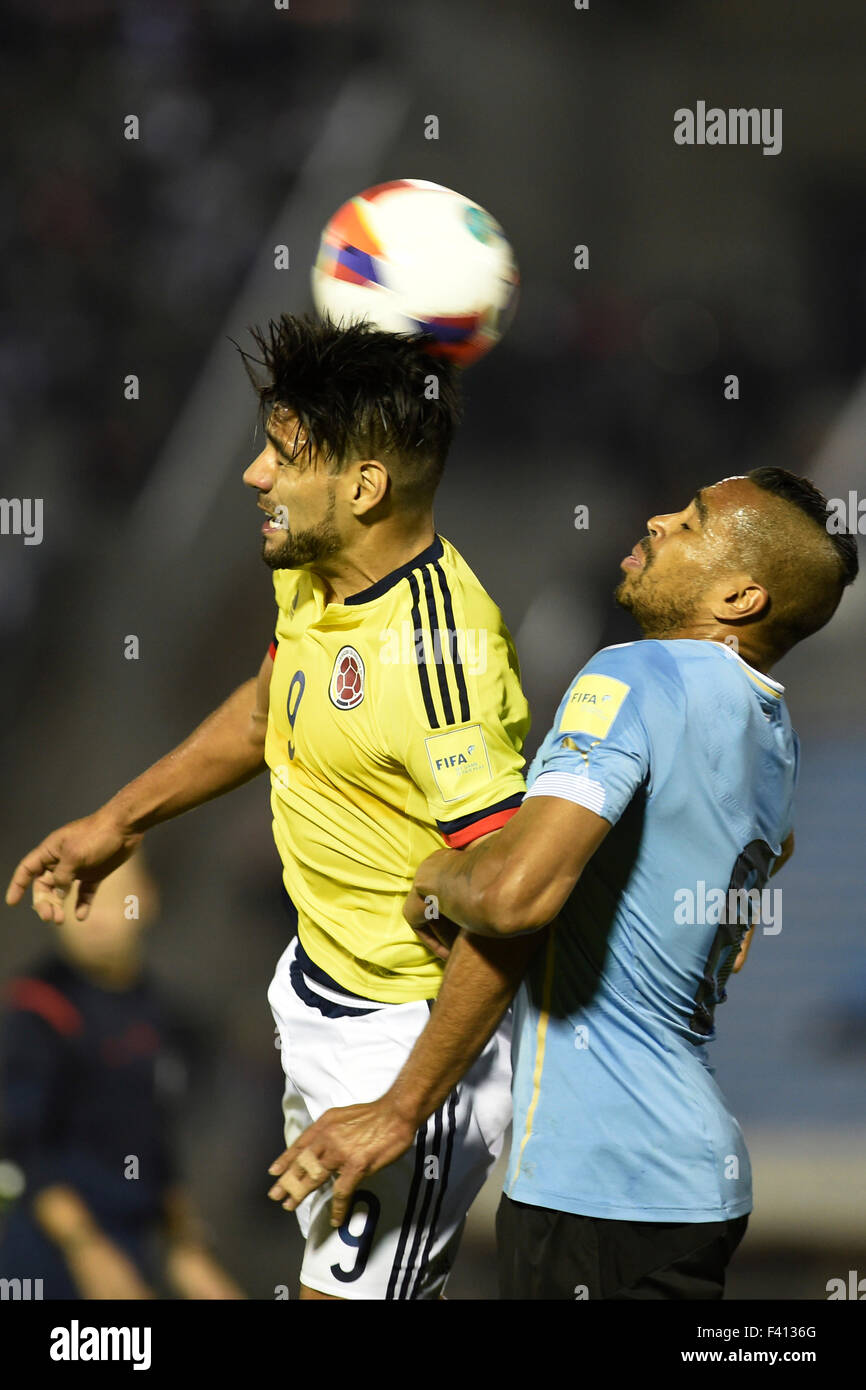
(49, 899)
(432, 942)
(344, 1191)
(307, 1173)
(280, 1164)
(33, 866)
(302, 1175)
(86, 894)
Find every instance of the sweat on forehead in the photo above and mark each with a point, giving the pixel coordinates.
(285, 430)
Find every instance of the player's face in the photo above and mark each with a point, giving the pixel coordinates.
(298, 496)
(670, 571)
(124, 905)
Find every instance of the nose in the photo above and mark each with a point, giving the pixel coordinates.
(657, 525)
(259, 473)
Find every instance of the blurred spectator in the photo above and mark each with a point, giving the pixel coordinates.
(88, 1071)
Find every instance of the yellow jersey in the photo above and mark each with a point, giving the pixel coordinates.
(395, 728)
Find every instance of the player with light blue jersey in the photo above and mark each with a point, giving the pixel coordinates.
(625, 890)
(691, 754)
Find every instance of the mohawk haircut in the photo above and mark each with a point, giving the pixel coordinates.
(806, 566)
(359, 392)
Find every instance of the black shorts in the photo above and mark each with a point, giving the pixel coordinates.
(555, 1254)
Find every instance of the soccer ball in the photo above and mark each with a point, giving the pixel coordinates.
(414, 257)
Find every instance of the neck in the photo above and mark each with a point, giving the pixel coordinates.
(113, 975)
(376, 554)
(741, 643)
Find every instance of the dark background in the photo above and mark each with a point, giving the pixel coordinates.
(146, 257)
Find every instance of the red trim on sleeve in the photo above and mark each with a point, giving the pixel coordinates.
(272, 649)
(38, 997)
(479, 828)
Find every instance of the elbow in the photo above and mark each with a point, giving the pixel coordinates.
(509, 907)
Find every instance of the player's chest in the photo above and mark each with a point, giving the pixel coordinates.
(321, 701)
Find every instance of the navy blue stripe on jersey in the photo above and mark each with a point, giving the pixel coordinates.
(322, 977)
(443, 1184)
(417, 1176)
(452, 637)
(328, 1007)
(441, 674)
(411, 1271)
(423, 675)
(433, 552)
(451, 827)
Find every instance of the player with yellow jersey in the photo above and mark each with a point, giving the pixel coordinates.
(390, 715)
(396, 719)
(395, 723)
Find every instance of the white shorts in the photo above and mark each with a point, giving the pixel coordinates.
(403, 1228)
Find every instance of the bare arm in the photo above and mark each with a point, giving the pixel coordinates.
(191, 1266)
(98, 1267)
(226, 750)
(480, 980)
(519, 879)
(507, 885)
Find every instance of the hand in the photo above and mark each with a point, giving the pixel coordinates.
(353, 1142)
(87, 850)
(437, 933)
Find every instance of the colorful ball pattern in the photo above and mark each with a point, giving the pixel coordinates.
(413, 257)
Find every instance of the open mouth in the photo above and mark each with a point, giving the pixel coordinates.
(636, 560)
(272, 524)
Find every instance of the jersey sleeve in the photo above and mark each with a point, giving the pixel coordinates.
(460, 734)
(598, 752)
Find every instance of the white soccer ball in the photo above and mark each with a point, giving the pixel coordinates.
(413, 257)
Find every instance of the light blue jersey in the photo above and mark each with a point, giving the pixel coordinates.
(690, 754)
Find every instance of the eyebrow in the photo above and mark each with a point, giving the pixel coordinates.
(272, 439)
(701, 507)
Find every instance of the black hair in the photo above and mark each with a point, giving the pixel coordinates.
(359, 392)
(789, 548)
(804, 494)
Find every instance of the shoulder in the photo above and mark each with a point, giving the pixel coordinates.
(645, 667)
(46, 991)
(633, 683)
(463, 580)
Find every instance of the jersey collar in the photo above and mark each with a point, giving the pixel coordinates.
(433, 552)
(770, 687)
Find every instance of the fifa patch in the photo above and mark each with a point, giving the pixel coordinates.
(593, 705)
(459, 761)
(347, 680)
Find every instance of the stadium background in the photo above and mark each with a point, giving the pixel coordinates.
(145, 257)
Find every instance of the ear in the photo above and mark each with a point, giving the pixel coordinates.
(368, 485)
(738, 597)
